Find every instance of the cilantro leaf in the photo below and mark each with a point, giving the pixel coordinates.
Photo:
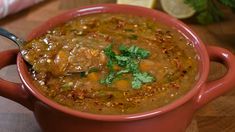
(123, 71)
(111, 55)
(123, 49)
(133, 66)
(141, 78)
(134, 52)
(109, 52)
(138, 52)
(136, 83)
(108, 79)
(122, 60)
(110, 64)
(128, 60)
(144, 77)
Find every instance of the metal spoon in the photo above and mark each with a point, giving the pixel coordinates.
(18, 41)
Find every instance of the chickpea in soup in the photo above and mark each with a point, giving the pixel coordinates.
(112, 64)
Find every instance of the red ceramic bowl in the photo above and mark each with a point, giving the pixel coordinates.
(174, 117)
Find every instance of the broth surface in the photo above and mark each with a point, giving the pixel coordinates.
(69, 64)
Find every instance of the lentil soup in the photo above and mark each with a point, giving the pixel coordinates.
(112, 64)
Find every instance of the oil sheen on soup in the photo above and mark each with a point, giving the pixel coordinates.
(112, 64)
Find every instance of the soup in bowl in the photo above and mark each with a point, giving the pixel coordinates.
(112, 64)
(115, 67)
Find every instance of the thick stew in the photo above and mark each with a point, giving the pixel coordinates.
(112, 64)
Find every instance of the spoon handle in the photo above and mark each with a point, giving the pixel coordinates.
(12, 37)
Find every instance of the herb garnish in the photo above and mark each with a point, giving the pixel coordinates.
(128, 60)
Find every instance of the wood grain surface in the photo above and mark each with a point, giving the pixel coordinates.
(217, 116)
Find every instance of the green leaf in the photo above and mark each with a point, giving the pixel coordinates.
(123, 48)
(123, 71)
(108, 79)
(141, 78)
(108, 52)
(128, 60)
(138, 52)
(134, 51)
(205, 18)
(198, 5)
(136, 83)
(207, 10)
(110, 64)
(122, 60)
(111, 57)
(230, 3)
(144, 77)
(133, 66)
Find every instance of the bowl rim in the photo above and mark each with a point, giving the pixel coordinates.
(102, 8)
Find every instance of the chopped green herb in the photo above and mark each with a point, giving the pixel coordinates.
(128, 60)
(109, 53)
(134, 51)
(144, 77)
(108, 79)
(122, 60)
(136, 83)
(138, 52)
(123, 49)
(110, 64)
(140, 78)
(123, 71)
(133, 66)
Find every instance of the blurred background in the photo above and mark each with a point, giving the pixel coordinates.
(215, 25)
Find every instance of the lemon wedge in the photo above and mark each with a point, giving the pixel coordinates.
(177, 8)
(144, 3)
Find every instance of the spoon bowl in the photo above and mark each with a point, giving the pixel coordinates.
(20, 43)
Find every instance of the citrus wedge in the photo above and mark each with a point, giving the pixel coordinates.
(177, 8)
(144, 3)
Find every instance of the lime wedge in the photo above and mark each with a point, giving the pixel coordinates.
(177, 8)
(144, 3)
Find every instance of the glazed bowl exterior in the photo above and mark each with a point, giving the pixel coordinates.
(173, 117)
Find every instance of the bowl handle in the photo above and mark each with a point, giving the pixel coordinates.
(216, 88)
(11, 90)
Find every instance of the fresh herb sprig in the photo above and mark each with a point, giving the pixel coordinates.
(208, 10)
(128, 60)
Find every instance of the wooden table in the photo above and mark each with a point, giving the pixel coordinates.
(217, 116)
